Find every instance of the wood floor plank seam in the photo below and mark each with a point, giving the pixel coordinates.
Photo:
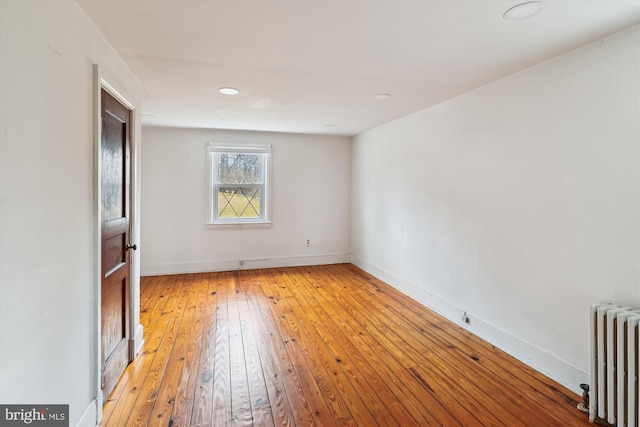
(120, 406)
(311, 377)
(355, 367)
(318, 346)
(201, 409)
(273, 387)
(186, 389)
(221, 396)
(405, 341)
(497, 370)
(467, 360)
(331, 362)
(403, 363)
(151, 388)
(261, 411)
(297, 401)
(162, 409)
(389, 354)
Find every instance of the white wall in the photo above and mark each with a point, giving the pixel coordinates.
(517, 202)
(310, 200)
(48, 327)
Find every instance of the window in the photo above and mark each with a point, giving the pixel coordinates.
(239, 184)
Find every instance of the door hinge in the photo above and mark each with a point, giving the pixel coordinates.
(102, 380)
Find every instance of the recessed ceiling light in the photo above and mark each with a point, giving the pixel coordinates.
(523, 11)
(382, 96)
(228, 91)
(224, 120)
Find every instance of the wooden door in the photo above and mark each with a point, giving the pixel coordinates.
(115, 287)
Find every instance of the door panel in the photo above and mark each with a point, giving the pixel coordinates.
(114, 253)
(113, 311)
(113, 167)
(115, 194)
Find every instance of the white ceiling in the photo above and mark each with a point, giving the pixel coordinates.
(315, 66)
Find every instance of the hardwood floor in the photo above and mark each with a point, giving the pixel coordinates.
(327, 345)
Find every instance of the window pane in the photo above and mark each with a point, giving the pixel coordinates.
(240, 169)
(239, 185)
(239, 202)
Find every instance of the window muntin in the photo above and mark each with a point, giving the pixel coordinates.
(239, 184)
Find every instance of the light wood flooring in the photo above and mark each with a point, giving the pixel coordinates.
(324, 346)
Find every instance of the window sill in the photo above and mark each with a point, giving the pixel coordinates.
(238, 225)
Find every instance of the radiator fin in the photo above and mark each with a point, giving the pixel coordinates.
(613, 367)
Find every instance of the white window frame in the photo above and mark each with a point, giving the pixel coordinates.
(214, 150)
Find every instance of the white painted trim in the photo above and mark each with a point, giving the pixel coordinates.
(97, 359)
(223, 147)
(246, 264)
(213, 151)
(117, 95)
(555, 368)
(238, 225)
(138, 341)
(137, 330)
(89, 417)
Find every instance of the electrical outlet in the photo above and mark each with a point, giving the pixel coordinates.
(308, 242)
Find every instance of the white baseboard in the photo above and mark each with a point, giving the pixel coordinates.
(89, 417)
(557, 369)
(241, 264)
(138, 340)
